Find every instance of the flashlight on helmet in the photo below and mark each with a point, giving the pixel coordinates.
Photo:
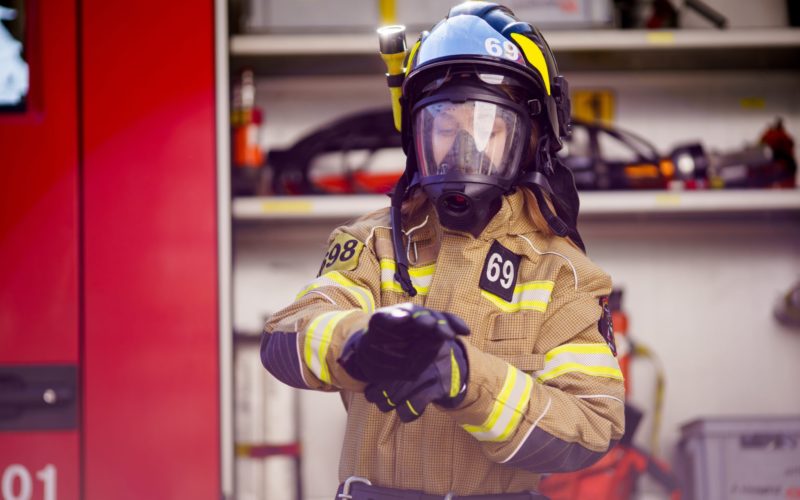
(392, 44)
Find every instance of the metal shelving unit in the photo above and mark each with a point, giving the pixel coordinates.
(294, 218)
(621, 204)
(587, 50)
(562, 41)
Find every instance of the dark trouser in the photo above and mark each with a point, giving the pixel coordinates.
(357, 489)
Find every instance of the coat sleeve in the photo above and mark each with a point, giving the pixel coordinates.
(301, 343)
(566, 415)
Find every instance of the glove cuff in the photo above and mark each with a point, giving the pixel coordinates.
(460, 363)
(348, 357)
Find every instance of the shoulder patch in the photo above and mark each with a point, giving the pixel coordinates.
(499, 275)
(342, 255)
(606, 326)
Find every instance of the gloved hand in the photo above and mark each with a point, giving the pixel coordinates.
(399, 342)
(443, 382)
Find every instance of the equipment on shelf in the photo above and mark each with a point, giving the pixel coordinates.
(604, 157)
(663, 14)
(787, 310)
(783, 172)
(342, 157)
(769, 163)
(666, 15)
(361, 153)
(246, 120)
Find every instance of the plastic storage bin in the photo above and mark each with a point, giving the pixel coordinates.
(741, 458)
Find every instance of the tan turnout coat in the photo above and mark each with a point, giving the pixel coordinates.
(545, 392)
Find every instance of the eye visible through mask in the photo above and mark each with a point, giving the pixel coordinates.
(471, 137)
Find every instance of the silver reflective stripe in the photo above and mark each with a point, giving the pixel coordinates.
(507, 410)
(590, 359)
(317, 340)
(421, 277)
(532, 295)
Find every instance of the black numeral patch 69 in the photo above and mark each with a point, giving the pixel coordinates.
(499, 274)
(342, 254)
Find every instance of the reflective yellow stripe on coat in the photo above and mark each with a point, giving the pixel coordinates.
(508, 408)
(421, 277)
(533, 295)
(590, 359)
(336, 279)
(317, 341)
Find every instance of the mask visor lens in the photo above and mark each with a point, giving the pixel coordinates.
(471, 137)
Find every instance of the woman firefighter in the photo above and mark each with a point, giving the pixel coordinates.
(464, 325)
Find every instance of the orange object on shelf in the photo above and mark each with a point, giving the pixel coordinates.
(246, 121)
(358, 183)
(247, 151)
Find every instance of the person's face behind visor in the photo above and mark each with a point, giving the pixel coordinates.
(471, 137)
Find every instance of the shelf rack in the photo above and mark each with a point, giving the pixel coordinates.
(585, 40)
(584, 50)
(620, 204)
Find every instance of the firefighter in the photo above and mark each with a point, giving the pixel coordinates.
(464, 326)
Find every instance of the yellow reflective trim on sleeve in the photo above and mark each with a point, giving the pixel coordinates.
(590, 359)
(362, 295)
(497, 408)
(534, 56)
(334, 278)
(578, 349)
(317, 340)
(412, 408)
(508, 408)
(595, 371)
(308, 345)
(518, 411)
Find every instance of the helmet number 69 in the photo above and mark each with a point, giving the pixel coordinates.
(496, 266)
(496, 48)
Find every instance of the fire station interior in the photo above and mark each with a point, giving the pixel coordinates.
(702, 265)
(686, 120)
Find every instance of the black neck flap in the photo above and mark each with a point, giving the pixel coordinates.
(560, 187)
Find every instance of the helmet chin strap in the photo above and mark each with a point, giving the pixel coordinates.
(399, 194)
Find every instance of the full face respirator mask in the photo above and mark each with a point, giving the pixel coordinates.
(469, 142)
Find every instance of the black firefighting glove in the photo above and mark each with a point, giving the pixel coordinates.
(443, 382)
(399, 342)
